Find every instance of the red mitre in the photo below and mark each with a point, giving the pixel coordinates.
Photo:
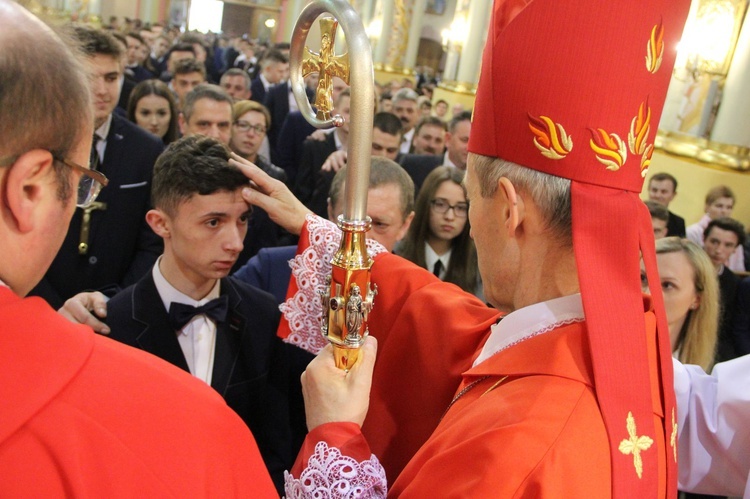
(576, 89)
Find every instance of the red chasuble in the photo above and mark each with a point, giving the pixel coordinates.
(85, 416)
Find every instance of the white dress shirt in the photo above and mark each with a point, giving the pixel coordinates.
(431, 258)
(102, 132)
(198, 338)
(447, 160)
(533, 320)
(406, 141)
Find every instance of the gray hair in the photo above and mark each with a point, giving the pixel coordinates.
(405, 94)
(551, 194)
(44, 91)
(237, 72)
(205, 91)
(383, 171)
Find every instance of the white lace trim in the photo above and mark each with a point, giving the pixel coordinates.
(547, 329)
(329, 474)
(304, 310)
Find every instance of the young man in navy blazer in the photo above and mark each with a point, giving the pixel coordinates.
(188, 312)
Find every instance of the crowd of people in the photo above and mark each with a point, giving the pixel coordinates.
(168, 251)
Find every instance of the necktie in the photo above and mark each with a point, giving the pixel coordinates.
(437, 268)
(180, 314)
(94, 158)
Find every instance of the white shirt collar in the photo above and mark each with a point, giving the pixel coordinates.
(430, 258)
(170, 294)
(406, 141)
(533, 320)
(103, 131)
(447, 160)
(266, 83)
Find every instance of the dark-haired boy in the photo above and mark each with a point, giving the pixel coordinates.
(189, 313)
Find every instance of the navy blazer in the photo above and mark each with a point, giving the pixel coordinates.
(294, 130)
(277, 103)
(418, 166)
(258, 91)
(675, 225)
(314, 154)
(269, 270)
(122, 246)
(250, 366)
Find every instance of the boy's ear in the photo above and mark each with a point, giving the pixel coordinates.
(159, 223)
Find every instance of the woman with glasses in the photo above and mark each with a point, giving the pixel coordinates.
(152, 107)
(438, 238)
(250, 122)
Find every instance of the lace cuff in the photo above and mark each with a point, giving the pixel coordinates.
(332, 475)
(303, 310)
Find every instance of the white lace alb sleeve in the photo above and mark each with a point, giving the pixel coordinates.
(332, 475)
(304, 310)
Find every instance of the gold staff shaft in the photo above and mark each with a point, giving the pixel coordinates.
(348, 299)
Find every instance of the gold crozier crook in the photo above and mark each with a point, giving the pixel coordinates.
(348, 295)
(327, 65)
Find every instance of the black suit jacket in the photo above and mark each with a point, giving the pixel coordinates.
(258, 91)
(675, 225)
(418, 166)
(314, 154)
(277, 102)
(292, 135)
(122, 246)
(728, 285)
(250, 367)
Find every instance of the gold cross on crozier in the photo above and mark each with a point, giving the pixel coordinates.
(327, 65)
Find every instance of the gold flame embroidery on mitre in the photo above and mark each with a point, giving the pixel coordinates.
(655, 48)
(550, 138)
(640, 127)
(635, 445)
(610, 149)
(646, 159)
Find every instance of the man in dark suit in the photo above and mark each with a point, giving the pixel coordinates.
(418, 166)
(456, 141)
(315, 152)
(277, 102)
(136, 50)
(109, 245)
(186, 311)
(662, 189)
(274, 68)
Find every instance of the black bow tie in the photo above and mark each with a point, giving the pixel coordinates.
(180, 314)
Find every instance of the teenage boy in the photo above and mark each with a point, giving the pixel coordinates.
(189, 313)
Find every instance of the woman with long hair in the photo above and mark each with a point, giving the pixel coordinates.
(438, 238)
(691, 300)
(152, 107)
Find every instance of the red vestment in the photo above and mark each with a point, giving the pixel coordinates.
(85, 416)
(428, 334)
(538, 432)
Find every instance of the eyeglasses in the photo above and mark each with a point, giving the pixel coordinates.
(89, 185)
(441, 206)
(244, 126)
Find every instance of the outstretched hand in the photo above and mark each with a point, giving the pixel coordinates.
(335, 162)
(84, 308)
(271, 195)
(334, 395)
